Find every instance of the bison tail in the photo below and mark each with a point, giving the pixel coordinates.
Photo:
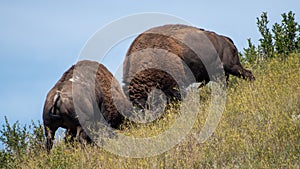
(54, 110)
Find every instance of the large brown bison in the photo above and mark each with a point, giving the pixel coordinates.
(165, 57)
(84, 94)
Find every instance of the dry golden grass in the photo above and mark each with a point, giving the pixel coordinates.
(257, 130)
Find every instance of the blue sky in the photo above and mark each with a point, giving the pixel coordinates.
(40, 40)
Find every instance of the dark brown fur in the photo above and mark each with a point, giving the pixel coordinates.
(173, 38)
(59, 110)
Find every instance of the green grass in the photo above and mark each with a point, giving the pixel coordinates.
(256, 131)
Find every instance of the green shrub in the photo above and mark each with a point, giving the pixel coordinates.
(19, 142)
(283, 40)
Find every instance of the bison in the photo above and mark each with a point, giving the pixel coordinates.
(163, 57)
(86, 92)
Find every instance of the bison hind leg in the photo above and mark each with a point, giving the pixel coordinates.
(50, 133)
(69, 136)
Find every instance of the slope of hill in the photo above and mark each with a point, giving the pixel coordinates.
(259, 129)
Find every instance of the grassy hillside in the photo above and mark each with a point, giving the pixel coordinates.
(258, 129)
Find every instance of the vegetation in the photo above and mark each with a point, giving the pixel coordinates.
(260, 127)
(257, 130)
(278, 43)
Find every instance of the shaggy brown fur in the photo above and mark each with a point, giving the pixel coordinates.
(95, 91)
(176, 52)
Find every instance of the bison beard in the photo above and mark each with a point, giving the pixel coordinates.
(217, 53)
(90, 85)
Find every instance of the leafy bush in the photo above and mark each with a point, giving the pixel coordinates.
(251, 53)
(280, 42)
(19, 141)
(14, 138)
(266, 42)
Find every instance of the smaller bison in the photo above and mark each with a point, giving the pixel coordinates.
(85, 94)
